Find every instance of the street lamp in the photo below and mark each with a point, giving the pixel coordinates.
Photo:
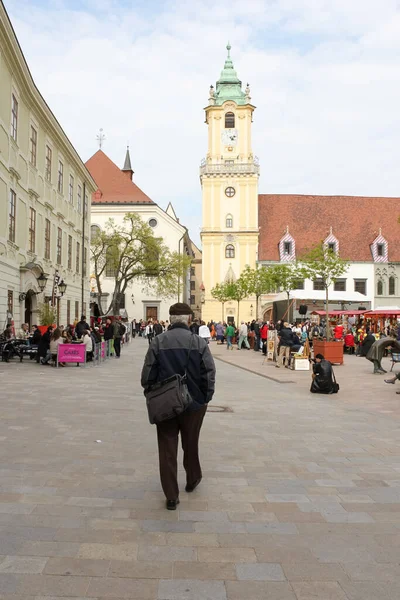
(42, 280)
(62, 286)
(251, 310)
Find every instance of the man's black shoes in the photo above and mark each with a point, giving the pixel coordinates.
(172, 504)
(193, 486)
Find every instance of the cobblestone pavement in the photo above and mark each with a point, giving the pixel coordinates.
(300, 498)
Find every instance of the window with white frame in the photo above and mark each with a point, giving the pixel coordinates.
(14, 117)
(71, 189)
(60, 180)
(33, 146)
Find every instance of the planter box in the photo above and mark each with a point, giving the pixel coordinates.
(332, 351)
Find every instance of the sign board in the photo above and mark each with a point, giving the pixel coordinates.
(71, 353)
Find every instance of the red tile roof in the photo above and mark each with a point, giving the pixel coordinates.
(355, 222)
(114, 186)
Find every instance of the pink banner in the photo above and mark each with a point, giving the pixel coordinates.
(103, 350)
(72, 353)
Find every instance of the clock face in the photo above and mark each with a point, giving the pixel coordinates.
(229, 137)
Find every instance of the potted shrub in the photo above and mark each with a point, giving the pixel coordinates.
(47, 317)
(322, 262)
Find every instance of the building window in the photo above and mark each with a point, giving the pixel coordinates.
(86, 205)
(59, 245)
(230, 192)
(10, 302)
(84, 262)
(69, 252)
(47, 239)
(380, 249)
(78, 256)
(318, 285)
(94, 231)
(33, 142)
(32, 229)
(49, 158)
(392, 286)
(379, 288)
(192, 300)
(68, 312)
(111, 269)
(79, 196)
(230, 251)
(121, 300)
(229, 221)
(339, 285)
(360, 286)
(229, 120)
(298, 284)
(71, 189)
(287, 248)
(192, 285)
(84, 308)
(14, 118)
(332, 247)
(153, 222)
(12, 214)
(76, 310)
(60, 181)
(193, 270)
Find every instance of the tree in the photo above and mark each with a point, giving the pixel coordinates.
(236, 291)
(322, 262)
(221, 293)
(131, 251)
(285, 277)
(256, 282)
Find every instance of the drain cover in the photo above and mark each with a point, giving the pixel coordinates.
(214, 408)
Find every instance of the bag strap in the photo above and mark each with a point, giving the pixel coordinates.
(333, 375)
(190, 349)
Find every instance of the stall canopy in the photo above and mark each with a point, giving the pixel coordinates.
(340, 313)
(390, 312)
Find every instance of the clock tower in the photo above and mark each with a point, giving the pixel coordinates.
(229, 180)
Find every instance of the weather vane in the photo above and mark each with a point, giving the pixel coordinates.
(100, 138)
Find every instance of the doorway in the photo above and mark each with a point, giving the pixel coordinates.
(28, 308)
(151, 313)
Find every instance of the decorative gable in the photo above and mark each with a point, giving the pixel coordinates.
(332, 242)
(287, 247)
(379, 249)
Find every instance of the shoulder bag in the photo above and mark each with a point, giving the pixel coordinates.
(168, 398)
(335, 385)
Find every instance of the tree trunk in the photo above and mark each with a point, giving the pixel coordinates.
(288, 307)
(237, 324)
(328, 333)
(223, 311)
(257, 303)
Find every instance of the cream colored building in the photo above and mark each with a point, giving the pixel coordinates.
(229, 178)
(196, 282)
(117, 195)
(42, 182)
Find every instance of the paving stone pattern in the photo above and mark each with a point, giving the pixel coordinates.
(300, 498)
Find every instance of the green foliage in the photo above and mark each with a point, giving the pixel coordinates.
(131, 251)
(47, 314)
(323, 263)
(256, 281)
(221, 292)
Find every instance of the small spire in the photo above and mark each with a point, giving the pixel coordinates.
(127, 165)
(229, 49)
(330, 230)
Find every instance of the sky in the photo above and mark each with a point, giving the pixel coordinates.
(324, 76)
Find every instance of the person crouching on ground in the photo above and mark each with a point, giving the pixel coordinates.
(168, 355)
(322, 376)
(377, 352)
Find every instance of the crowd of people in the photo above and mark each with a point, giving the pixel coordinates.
(44, 346)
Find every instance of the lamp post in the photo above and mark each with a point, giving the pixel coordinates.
(251, 310)
(62, 287)
(42, 281)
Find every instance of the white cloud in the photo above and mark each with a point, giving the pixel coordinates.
(324, 76)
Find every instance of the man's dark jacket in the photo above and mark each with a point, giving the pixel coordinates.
(367, 344)
(168, 355)
(80, 328)
(286, 336)
(157, 328)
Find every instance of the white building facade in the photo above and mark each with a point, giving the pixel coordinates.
(43, 184)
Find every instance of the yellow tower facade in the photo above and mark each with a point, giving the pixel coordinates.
(229, 179)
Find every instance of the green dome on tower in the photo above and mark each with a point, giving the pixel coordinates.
(229, 86)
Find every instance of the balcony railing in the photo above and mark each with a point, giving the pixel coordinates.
(250, 168)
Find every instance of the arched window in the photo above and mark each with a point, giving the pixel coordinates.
(230, 251)
(111, 262)
(392, 286)
(94, 231)
(229, 120)
(379, 288)
(229, 221)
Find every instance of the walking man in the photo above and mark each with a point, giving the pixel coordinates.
(119, 330)
(285, 336)
(174, 352)
(243, 333)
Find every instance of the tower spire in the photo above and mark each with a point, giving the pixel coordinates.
(127, 168)
(229, 86)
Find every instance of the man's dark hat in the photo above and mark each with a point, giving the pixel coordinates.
(180, 308)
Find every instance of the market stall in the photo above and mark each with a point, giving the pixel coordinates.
(381, 318)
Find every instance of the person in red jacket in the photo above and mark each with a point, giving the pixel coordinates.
(349, 342)
(338, 332)
(264, 337)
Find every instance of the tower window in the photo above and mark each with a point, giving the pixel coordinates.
(229, 120)
(287, 248)
(380, 249)
(230, 251)
(332, 247)
(229, 221)
(230, 192)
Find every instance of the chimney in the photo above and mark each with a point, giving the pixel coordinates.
(127, 169)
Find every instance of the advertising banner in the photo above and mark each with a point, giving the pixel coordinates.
(71, 353)
(103, 351)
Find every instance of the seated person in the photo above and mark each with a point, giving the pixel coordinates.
(322, 382)
(87, 340)
(297, 345)
(349, 342)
